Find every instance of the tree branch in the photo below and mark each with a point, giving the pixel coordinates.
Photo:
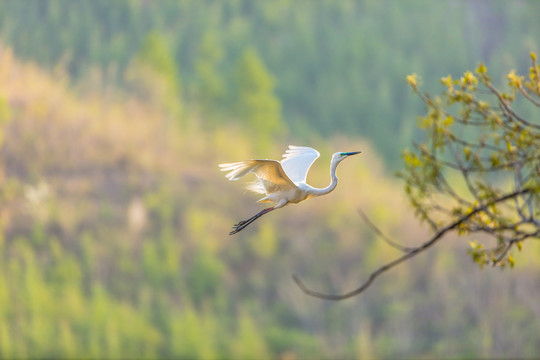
(506, 108)
(439, 235)
(377, 231)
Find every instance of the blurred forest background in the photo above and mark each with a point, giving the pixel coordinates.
(114, 216)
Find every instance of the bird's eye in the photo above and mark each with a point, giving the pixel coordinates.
(343, 154)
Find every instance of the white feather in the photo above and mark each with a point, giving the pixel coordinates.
(296, 162)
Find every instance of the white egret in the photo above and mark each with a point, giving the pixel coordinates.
(283, 182)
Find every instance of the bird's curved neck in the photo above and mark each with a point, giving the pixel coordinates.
(333, 183)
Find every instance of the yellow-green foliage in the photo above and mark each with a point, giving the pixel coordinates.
(478, 135)
(248, 342)
(113, 242)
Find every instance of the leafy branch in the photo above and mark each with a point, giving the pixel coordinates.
(477, 170)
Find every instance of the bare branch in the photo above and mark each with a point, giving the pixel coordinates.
(529, 97)
(377, 231)
(439, 235)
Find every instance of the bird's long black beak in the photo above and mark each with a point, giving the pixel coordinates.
(352, 153)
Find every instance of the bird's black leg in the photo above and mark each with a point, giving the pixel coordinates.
(242, 224)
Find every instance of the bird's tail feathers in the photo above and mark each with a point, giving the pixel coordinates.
(257, 187)
(238, 169)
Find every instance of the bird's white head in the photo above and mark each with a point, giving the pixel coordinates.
(340, 156)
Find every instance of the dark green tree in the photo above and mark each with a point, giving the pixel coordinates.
(209, 86)
(256, 102)
(154, 74)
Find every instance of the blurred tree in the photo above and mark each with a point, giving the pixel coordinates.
(194, 335)
(4, 116)
(248, 343)
(154, 74)
(266, 246)
(209, 86)
(256, 103)
(478, 170)
(205, 276)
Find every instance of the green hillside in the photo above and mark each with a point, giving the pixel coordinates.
(338, 67)
(114, 215)
(114, 245)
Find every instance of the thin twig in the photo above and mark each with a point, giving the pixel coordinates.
(377, 231)
(529, 97)
(508, 109)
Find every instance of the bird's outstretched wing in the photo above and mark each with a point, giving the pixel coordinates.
(296, 162)
(271, 176)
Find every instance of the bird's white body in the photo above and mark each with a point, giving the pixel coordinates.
(283, 182)
(290, 196)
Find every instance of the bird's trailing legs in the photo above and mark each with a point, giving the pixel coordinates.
(242, 224)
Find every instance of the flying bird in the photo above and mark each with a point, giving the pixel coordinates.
(283, 182)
